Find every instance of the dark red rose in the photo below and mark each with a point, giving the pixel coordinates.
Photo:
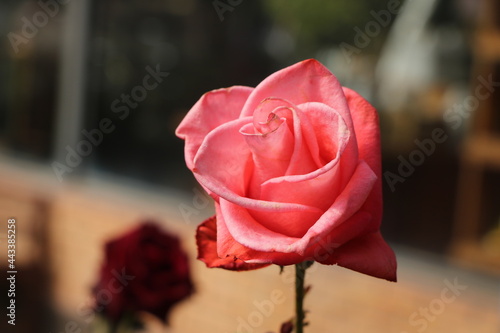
(143, 270)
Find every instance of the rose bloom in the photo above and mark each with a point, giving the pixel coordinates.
(294, 167)
(144, 270)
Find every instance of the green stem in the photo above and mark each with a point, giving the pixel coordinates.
(300, 273)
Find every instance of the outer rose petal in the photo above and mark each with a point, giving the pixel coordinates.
(212, 109)
(206, 240)
(227, 245)
(366, 124)
(368, 255)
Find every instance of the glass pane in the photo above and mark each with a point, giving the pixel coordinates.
(28, 78)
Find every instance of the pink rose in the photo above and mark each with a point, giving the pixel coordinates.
(294, 168)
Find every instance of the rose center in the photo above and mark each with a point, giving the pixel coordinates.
(270, 125)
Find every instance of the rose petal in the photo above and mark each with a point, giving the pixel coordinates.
(366, 124)
(228, 246)
(321, 247)
(330, 130)
(223, 157)
(271, 154)
(319, 190)
(212, 109)
(320, 251)
(250, 233)
(368, 255)
(206, 240)
(346, 204)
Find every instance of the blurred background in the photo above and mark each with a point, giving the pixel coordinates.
(92, 91)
